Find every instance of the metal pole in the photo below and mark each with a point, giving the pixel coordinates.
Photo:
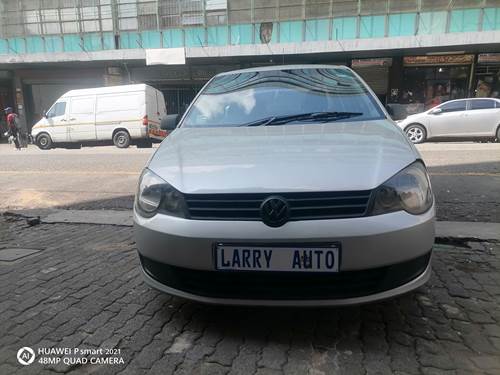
(158, 17)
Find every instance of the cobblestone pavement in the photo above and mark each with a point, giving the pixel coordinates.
(84, 289)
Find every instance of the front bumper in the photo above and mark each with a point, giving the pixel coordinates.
(271, 289)
(183, 250)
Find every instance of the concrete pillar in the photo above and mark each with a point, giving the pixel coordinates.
(19, 107)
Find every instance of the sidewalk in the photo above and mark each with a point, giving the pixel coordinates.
(444, 229)
(81, 287)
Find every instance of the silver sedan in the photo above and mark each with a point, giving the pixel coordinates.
(462, 119)
(285, 185)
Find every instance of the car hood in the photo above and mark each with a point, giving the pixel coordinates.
(314, 157)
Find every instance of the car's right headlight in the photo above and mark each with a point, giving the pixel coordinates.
(409, 190)
(155, 195)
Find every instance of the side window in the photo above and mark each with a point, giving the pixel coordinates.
(82, 105)
(453, 106)
(482, 104)
(58, 109)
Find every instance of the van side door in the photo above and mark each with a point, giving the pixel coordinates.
(82, 118)
(57, 121)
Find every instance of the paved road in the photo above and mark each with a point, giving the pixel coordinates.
(465, 177)
(84, 290)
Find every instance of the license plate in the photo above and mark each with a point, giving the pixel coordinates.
(236, 257)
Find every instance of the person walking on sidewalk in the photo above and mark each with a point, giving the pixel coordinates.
(13, 127)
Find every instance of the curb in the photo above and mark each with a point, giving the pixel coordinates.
(446, 231)
(95, 217)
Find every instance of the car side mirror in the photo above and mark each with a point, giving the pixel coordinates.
(436, 111)
(45, 114)
(169, 122)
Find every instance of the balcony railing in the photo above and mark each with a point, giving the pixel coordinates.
(32, 26)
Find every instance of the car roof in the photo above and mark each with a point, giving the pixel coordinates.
(462, 99)
(496, 99)
(284, 67)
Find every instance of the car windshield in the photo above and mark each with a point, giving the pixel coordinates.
(278, 97)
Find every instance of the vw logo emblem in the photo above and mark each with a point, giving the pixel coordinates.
(275, 211)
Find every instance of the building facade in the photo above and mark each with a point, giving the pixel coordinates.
(413, 53)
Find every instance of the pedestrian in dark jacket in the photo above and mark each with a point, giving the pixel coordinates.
(13, 127)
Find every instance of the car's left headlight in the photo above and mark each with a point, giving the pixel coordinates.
(155, 195)
(409, 190)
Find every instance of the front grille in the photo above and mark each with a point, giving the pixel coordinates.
(303, 206)
(286, 285)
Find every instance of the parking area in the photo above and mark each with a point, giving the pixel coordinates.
(83, 289)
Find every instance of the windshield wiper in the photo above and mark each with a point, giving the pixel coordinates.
(260, 122)
(311, 116)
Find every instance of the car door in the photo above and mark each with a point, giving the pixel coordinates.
(448, 119)
(482, 118)
(82, 118)
(57, 121)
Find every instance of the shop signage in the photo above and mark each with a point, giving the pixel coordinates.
(488, 58)
(439, 60)
(362, 63)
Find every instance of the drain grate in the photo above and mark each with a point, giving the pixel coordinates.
(15, 253)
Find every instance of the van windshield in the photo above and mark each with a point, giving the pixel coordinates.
(283, 97)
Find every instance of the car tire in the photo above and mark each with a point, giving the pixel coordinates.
(416, 133)
(498, 135)
(43, 141)
(121, 139)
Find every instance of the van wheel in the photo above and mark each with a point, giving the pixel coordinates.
(498, 135)
(44, 142)
(121, 139)
(416, 133)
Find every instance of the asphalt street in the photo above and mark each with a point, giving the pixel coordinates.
(465, 177)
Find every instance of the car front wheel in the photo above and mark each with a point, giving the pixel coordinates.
(416, 133)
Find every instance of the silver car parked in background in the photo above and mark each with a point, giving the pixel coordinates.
(285, 185)
(477, 118)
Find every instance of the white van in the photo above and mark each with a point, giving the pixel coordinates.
(122, 114)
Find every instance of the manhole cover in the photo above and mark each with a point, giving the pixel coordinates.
(9, 255)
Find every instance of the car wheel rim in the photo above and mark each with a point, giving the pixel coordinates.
(121, 140)
(415, 134)
(43, 141)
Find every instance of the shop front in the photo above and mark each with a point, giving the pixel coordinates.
(6, 99)
(430, 80)
(42, 87)
(375, 72)
(487, 76)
